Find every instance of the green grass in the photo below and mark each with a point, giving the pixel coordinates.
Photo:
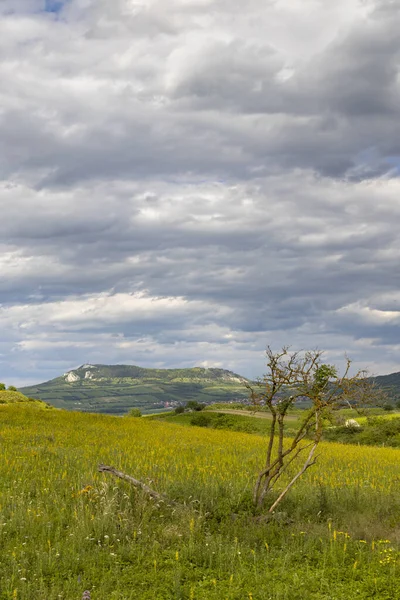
(351, 413)
(65, 528)
(383, 416)
(11, 397)
(375, 431)
(114, 397)
(221, 420)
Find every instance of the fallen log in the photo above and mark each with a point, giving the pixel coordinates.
(136, 483)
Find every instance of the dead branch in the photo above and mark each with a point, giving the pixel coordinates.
(136, 483)
(309, 462)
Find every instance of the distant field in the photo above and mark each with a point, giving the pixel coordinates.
(232, 420)
(258, 422)
(116, 398)
(384, 416)
(64, 527)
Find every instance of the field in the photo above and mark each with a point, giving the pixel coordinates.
(233, 421)
(377, 429)
(116, 397)
(65, 528)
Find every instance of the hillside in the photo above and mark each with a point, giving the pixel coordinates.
(117, 388)
(391, 384)
(11, 397)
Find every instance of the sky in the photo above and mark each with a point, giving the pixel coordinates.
(184, 182)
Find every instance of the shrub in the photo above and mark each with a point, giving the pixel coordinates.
(12, 388)
(224, 422)
(194, 405)
(200, 420)
(135, 412)
(179, 409)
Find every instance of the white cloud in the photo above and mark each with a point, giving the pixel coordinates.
(371, 315)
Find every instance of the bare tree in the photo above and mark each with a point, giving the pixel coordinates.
(292, 376)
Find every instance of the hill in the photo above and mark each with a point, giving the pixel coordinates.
(390, 383)
(117, 388)
(12, 397)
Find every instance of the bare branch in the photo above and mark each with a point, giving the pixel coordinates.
(135, 482)
(291, 376)
(309, 462)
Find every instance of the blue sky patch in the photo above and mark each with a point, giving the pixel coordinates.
(54, 6)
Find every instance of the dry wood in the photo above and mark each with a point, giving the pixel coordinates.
(309, 462)
(136, 483)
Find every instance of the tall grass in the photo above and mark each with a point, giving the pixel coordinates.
(64, 528)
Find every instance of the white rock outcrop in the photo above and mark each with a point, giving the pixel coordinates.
(71, 377)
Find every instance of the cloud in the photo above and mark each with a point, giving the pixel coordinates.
(185, 182)
(92, 96)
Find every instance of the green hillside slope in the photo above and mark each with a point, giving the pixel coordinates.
(391, 384)
(117, 388)
(11, 397)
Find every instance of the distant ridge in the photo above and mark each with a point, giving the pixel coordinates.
(390, 383)
(117, 388)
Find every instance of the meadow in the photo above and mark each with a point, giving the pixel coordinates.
(65, 528)
(218, 420)
(376, 429)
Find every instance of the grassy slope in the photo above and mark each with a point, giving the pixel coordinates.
(10, 397)
(377, 431)
(391, 384)
(230, 421)
(378, 428)
(65, 528)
